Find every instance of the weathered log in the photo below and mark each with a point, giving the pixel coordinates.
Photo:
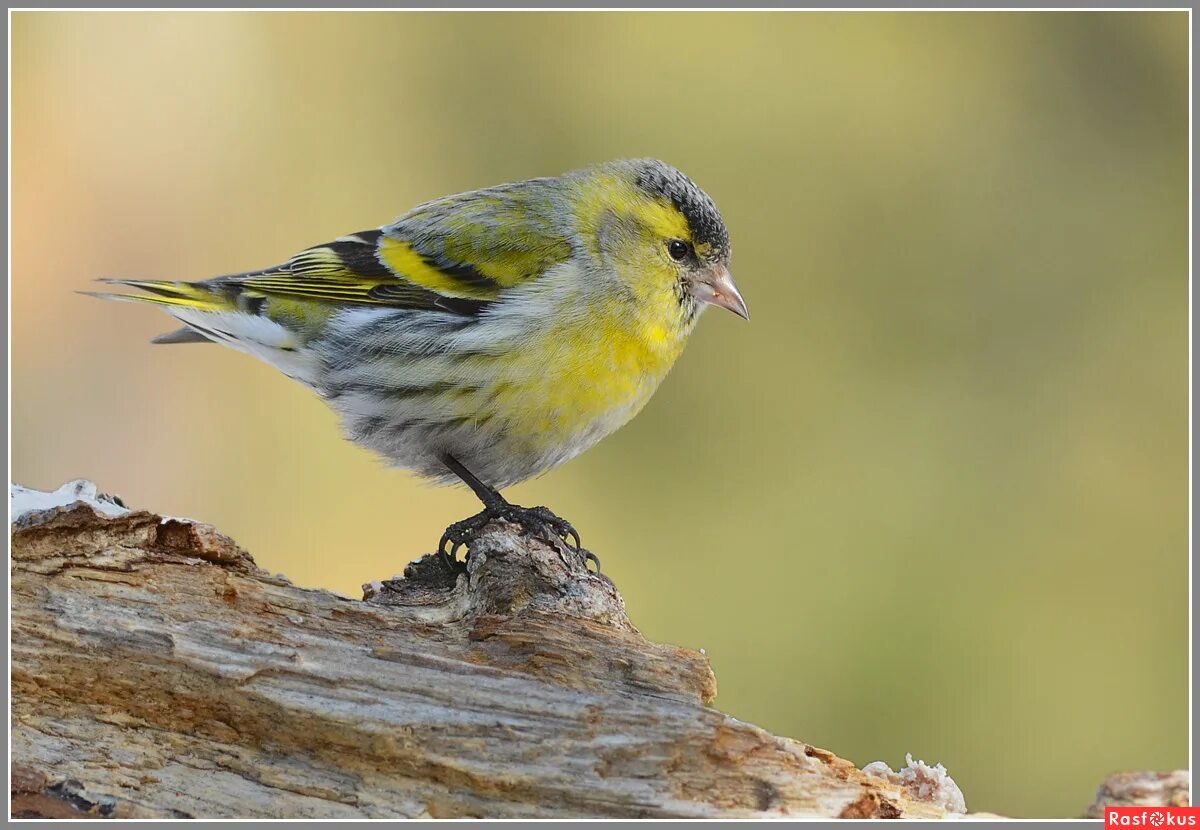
(157, 671)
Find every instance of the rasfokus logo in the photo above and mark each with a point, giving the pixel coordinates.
(1151, 816)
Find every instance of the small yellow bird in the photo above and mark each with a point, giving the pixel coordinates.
(488, 336)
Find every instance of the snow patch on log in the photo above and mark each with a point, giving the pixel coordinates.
(28, 506)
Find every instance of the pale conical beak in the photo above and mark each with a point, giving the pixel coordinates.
(716, 288)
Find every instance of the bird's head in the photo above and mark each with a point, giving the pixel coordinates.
(662, 235)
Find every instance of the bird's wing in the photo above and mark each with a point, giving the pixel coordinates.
(456, 254)
(475, 245)
(349, 270)
(346, 270)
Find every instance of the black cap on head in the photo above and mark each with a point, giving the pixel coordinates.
(661, 179)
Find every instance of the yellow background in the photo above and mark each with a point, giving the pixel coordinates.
(932, 498)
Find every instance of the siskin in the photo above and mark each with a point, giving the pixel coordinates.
(489, 336)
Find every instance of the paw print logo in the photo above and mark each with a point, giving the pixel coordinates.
(1157, 819)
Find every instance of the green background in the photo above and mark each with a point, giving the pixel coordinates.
(931, 499)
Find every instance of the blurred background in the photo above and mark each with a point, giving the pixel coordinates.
(931, 499)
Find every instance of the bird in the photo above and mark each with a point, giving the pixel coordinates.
(484, 337)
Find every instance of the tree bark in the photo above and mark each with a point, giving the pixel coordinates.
(158, 672)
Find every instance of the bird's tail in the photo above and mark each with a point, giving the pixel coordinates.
(212, 313)
(191, 295)
(175, 296)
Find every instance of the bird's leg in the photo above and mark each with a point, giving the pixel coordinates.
(537, 519)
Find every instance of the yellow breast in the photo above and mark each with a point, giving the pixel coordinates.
(578, 379)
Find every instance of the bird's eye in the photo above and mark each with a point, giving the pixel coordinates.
(678, 249)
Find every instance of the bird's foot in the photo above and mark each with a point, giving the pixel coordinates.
(539, 520)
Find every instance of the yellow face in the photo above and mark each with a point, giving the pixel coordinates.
(647, 242)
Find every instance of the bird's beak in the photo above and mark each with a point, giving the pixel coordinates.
(716, 287)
